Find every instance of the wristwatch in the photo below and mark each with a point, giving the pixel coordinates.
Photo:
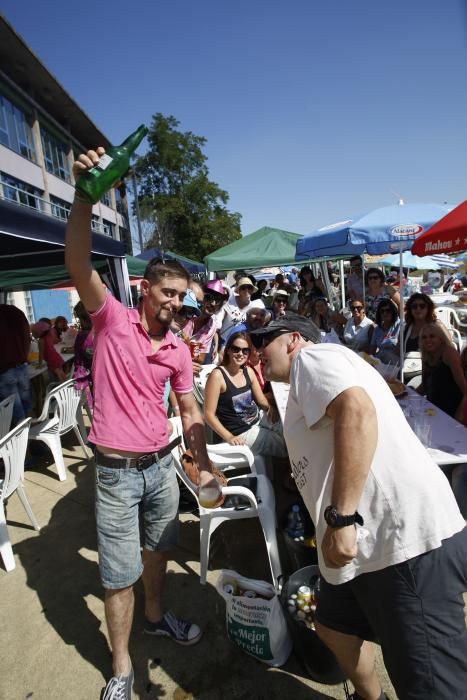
(335, 519)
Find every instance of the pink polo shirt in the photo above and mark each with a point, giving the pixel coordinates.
(129, 380)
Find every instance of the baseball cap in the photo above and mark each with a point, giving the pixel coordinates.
(190, 301)
(290, 322)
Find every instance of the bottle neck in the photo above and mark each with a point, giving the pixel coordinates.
(132, 142)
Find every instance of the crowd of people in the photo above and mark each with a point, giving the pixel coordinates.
(392, 543)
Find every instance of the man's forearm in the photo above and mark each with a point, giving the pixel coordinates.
(78, 241)
(193, 427)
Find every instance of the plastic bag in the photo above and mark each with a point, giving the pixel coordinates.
(255, 620)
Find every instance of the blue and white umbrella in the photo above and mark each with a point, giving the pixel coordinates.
(384, 230)
(415, 262)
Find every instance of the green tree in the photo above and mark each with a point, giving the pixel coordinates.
(184, 210)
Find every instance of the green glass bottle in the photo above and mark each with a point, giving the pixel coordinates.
(111, 168)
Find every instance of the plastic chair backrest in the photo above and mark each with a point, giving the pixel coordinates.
(13, 451)
(66, 397)
(6, 414)
(444, 314)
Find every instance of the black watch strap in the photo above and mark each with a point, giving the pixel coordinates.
(336, 519)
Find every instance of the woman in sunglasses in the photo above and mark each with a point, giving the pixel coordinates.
(419, 309)
(385, 336)
(443, 380)
(377, 290)
(233, 399)
(357, 329)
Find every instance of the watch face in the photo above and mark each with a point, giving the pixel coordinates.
(331, 515)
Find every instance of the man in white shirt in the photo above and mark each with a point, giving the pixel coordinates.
(392, 544)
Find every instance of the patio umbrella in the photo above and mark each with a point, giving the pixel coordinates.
(383, 230)
(448, 235)
(414, 262)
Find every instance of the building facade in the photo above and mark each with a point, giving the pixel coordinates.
(42, 130)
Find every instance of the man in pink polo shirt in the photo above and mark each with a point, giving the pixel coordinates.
(135, 354)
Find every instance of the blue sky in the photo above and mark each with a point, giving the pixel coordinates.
(313, 109)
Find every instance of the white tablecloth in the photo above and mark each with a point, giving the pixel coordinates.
(448, 436)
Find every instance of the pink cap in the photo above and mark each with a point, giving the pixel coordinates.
(39, 329)
(215, 286)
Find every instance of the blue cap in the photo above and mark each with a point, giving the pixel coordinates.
(191, 302)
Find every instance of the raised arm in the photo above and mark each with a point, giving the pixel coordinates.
(78, 241)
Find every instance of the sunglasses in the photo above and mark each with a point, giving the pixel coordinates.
(211, 299)
(245, 287)
(186, 313)
(420, 305)
(374, 277)
(386, 311)
(280, 301)
(262, 341)
(235, 349)
(356, 308)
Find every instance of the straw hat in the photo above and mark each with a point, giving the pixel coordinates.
(244, 281)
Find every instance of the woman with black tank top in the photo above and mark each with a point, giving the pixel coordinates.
(233, 399)
(443, 380)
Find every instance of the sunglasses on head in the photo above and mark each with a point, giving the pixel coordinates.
(356, 308)
(418, 305)
(235, 349)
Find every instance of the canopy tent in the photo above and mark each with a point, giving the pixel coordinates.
(266, 247)
(191, 265)
(32, 253)
(448, 235)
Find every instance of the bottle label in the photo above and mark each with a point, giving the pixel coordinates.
(104, 162)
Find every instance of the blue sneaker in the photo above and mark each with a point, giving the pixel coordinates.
(181, 631)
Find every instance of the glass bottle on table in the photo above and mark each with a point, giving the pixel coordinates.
(111, 167)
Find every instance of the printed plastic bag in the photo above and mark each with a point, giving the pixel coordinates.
(254, 618)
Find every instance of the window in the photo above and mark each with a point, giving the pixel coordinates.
(15, 129)
(109, 228)
(106, 199)
(55, 156)
(22, 193)
(60, 208)
(96, 225)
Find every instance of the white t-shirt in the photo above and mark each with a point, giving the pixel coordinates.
(407, 504)
(233, 314)
(357, 336)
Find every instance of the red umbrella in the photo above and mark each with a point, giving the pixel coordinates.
(448, 235)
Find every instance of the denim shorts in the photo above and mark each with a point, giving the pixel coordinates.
(16, 381)
(126, 499)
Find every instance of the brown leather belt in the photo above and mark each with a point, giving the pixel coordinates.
(138, 463)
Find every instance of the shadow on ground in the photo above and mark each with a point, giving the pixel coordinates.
(60, 567)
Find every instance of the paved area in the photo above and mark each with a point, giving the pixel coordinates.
(53, 633)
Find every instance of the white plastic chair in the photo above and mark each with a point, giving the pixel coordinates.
(448, 317)
(13, 451)
(6, 414)
(262, 506)
(64, 399)
(227, 457)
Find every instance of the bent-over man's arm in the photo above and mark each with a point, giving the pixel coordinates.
(355, 439)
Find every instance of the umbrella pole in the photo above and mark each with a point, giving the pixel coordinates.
(401, 316)
(341, 271)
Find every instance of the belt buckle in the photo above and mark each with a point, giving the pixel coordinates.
(145, 461)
